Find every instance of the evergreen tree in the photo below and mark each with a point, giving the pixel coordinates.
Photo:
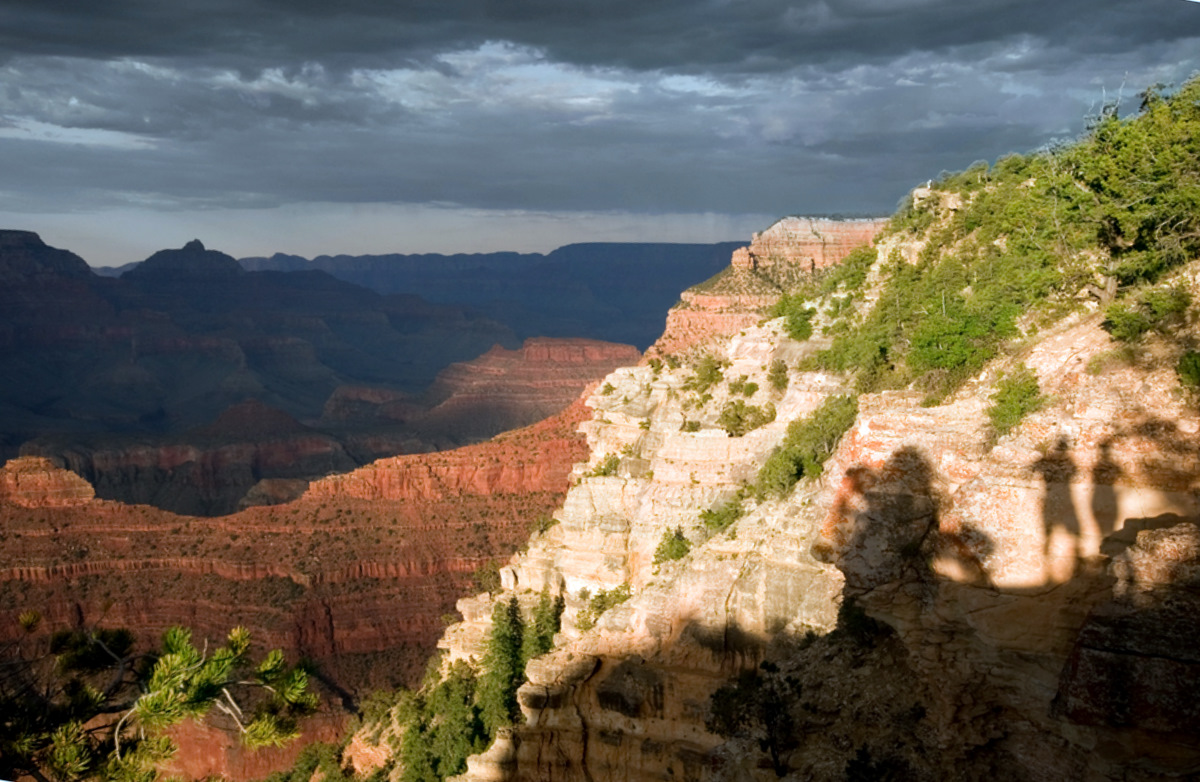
(457, 730)
(85, 705)
(416, 757)
(503, 669)
(547, 620)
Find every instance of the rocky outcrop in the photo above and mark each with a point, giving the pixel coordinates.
(31, 482)
(25, 258)
(778, 258)
(806, 243)
(629, 698)
(189, 265)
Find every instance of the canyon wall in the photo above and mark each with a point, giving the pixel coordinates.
(938, 604)
(355, 575)
(253, 454)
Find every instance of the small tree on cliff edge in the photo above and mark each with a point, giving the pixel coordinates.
(503, 668)
(86, 706)
(547, 620)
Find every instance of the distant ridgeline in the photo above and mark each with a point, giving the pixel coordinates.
(188, 380)
(617, 292)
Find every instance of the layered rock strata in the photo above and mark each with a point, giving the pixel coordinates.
(806, 244)
(355, 575)
(1027, 601)
(777, 258)
(506, 389)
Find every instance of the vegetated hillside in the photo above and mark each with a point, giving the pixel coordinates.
(936, 520)
(611, 291)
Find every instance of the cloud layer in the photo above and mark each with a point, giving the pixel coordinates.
(720, 106)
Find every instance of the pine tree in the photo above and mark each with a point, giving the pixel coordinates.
(503, 670)
(51, 695)
(547, 620)
(457, 730)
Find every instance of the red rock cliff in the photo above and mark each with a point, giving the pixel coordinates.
(355, 575)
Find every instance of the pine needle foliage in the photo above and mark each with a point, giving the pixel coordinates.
(503, 667)
(50, 700)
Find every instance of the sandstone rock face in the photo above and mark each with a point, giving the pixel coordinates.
(32, 482)
(1035, 597)
(806, 243)
(531, 461)
(738, 297)
(629, 698)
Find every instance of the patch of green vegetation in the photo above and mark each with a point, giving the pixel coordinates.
(606, 466)
(706, 374)
(1017, 395)
(809, 442)
(737, 418)
(720, 519)
(1188, 369)
(757, 705)
(777, 375)
(1022, 241)
(797, 315)
(1145, 310)
(850, 275)
(607, 389)
(743, 385)
(674, 545)
(689, 426)
(442, 725)
(600, 602)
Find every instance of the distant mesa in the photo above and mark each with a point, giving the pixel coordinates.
(191, 262)
(24, 257)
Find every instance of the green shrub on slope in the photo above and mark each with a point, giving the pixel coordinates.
(1021, 240)
(809, 442)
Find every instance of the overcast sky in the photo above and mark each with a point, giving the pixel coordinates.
(312, 126)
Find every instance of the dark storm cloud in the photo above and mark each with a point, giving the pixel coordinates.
(729, 35)
(731, 106)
